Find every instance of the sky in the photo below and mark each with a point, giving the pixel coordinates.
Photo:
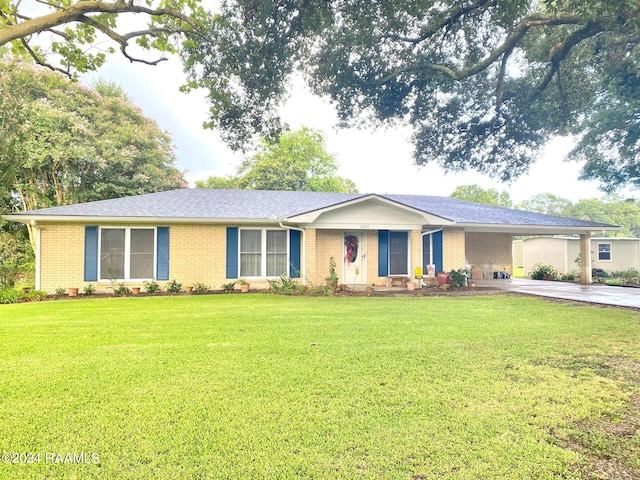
(377, 161)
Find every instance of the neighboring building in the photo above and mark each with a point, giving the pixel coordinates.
(214, 236)
(607, 253)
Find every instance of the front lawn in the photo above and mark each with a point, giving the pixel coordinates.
(263, 386)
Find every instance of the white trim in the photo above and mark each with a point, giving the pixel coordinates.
(303, 250)
(598, 243)
(38, 241)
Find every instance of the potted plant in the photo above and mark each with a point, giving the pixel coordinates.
(72, 292)
(135, 290)
(244, 285)
(332, 279)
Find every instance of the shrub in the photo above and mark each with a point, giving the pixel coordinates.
(89, 290)
(543, 272)
(151, 287)
(121, 289)
(59, 292)
(9, 295)
(458, 278)
(229, 287)
(284, 284)
(33, 295)
(173, 286)
(200, 287)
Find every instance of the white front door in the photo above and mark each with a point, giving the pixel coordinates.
(354, 258)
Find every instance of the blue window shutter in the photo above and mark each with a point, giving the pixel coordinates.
(90, 254)
(383, 253)
(294, 253)
(437, 250)
(162, 248)
(232, 252)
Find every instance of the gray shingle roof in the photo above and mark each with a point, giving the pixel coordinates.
(259, 204)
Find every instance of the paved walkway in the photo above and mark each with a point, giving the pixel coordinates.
(595, 293)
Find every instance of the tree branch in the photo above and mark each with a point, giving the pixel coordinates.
(78, 11)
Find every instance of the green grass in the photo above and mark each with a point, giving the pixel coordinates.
(263, 386)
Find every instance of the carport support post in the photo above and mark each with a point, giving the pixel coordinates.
(585, 259)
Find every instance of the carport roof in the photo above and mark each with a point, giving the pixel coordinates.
(186, 205)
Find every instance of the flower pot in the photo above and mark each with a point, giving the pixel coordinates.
(188, 289)
(411, 286)
(443, 279)
(244, 287)
(135, 290)
(72, 292)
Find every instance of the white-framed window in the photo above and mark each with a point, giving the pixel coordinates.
(127, 253)
(263, 252)
(604, 251)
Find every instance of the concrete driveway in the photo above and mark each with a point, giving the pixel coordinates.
(595, 293)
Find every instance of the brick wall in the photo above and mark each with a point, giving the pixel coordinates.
(453, 249)
(328, 244)
(490, 248)
(61, 256)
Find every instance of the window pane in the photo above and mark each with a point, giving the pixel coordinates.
(398, 253)
(276, 253)
(604, 251)
(250, 253)
(142, 251)
(112, 253)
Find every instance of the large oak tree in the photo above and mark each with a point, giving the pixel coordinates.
(484, 84)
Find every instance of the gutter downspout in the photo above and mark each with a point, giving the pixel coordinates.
(36, 230)
(303, 251)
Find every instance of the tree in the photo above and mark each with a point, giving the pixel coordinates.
(547, 203)
(612, 209)
(75, 27)
(62, 142)
(484, 84)
(297, 161)
(475, 193)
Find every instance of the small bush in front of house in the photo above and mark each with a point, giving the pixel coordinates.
(33, 295)
(151, 287)
(458, 278)
(89, 290)
(229, 287)
(543, 272)
(173, 287)
(121, 290)
(9, 295)
(200, 287)
(284, 285)
(59, 292)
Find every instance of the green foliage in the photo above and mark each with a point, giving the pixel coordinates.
(121, 289)
(333, 276)
(77, 48)
(611, 209)
(543, 272)
(173, 286)
(61, 142)
(200, 287)
(228, 287)
(458, 278)
(296, 161)
(16, 258)
(475, 193)
(151, 286)
(484, 85)
(59, 292)
(285, 285)
(89, 289)
(9, 295)
(33, 295)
